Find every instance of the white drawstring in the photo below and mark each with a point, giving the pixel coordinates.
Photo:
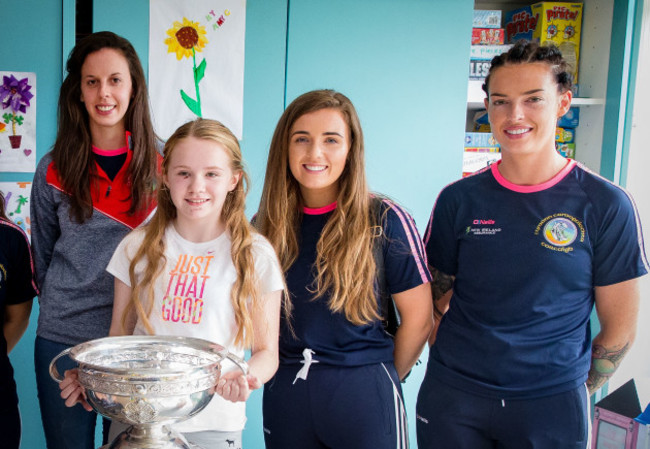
(307, 361)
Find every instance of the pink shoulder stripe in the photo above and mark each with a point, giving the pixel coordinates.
(637, 217)
(413, 238)
(427, 234)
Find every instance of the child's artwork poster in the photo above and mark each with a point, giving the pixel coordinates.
(16, 203)
(196, 62)
(18, 122)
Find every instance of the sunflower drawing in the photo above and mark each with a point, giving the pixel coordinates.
(185, 39)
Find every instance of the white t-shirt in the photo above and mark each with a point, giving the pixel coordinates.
(192, 299)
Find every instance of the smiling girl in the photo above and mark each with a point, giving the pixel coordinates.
(95, 185)
(198, 269)
(520, 253)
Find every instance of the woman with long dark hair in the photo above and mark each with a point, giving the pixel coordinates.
(95, 185)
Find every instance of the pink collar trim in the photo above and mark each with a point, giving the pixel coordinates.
(117, 152)
(124, 149)
(535, 188)
(319, 210)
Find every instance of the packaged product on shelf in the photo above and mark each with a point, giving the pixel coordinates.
(487, 18)
(481, 117)
(478, 69)
(487, 52)
(480, 140)
(519, 24)
(481, 58)
(475, 159)
(480, 121)
(564, 135)
(560, 23)
(566, 149)
(487, 36)
(571, 119)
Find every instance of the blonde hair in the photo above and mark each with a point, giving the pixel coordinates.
(344, 262)
(245, 295)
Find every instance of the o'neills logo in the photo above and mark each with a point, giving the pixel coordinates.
(560, 231)
(482, 226)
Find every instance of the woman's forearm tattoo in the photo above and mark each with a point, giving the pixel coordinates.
(440, 284)
(604, 362)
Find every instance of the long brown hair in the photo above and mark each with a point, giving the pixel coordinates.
(245, 294)
(72, 152)
(344, 263)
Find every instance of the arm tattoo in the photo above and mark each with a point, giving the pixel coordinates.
(604, 361)
(440, 284)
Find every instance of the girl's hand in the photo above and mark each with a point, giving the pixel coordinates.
(72, 391)
(236, 387)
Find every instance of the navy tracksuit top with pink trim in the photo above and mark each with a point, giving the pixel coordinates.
(334, 340)
(526, 260)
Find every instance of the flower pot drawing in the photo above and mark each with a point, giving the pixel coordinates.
(15, 141)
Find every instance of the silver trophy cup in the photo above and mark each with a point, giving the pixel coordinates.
(148, 382)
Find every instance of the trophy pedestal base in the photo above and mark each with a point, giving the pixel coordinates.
(149, 437)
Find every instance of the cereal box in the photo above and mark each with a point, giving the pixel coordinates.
(487, 36)
(487, 18)
(560, 23)
(519, 24)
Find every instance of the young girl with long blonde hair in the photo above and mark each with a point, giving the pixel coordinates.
(339, 370)
(198, 269)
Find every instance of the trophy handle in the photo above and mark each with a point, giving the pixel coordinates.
(241, 363)
(54, 373)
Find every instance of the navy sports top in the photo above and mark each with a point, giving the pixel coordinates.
(526, 259)
(17, 285)
(334, 340)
